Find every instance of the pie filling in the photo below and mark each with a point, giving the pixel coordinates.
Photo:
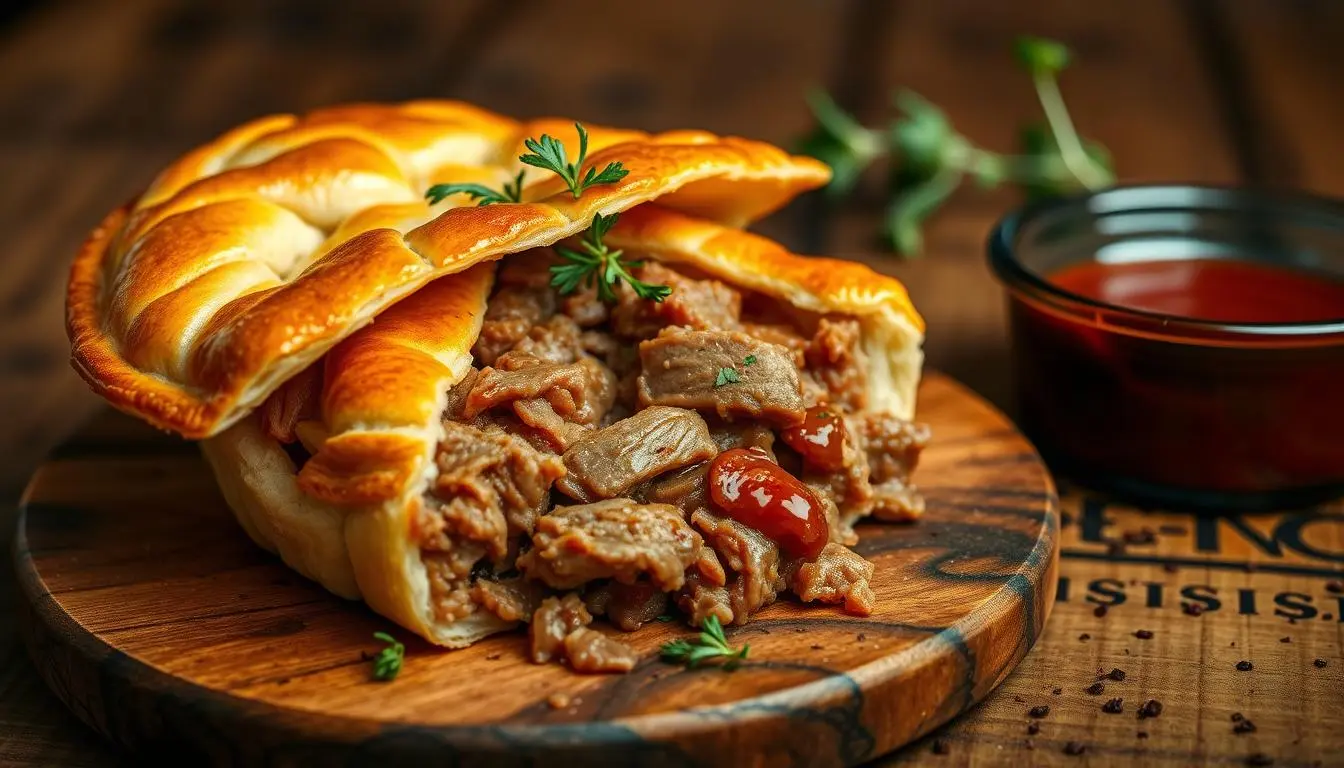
(703, 455)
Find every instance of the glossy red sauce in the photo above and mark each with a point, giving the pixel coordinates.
(1209, 289)
(1120, 402)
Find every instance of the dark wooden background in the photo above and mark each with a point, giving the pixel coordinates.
(96, 96)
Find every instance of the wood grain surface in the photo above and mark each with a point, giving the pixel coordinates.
(96, 95)
(156, 620)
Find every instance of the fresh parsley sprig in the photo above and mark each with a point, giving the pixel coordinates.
(596, 264)
(711, 644)
(387, 664)
(932, 160)
(512, 193)
(548, 153)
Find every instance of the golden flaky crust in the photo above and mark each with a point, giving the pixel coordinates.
(253, 255)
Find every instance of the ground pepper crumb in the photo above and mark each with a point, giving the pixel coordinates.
(1144, 634)
(1117, 675)
(1033, 728)
(1096, 689)
(1244, 666)
(1099, 611)
(1319, 663)
(1084, 637)
(1150, 708)
(1192, 609)
(1113, 707)
(1058, 691)
(1074, 748)
(1038, 711)
(1285, 639)
(1335, 587)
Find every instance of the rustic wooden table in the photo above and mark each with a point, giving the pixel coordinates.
(96, 96)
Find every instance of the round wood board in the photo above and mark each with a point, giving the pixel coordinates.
(156, 620)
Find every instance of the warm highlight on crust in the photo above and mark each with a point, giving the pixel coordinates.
(252, 256)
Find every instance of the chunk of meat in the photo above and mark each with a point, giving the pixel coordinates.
(484, 473)
(728, 436)
(552, 622)
(690, 369)
(838, 575)
(700, 304)
(628, 606)
(449, 575)
(684, 489)
(558, 340)
(617, 538)
(585, 308)
(511, 312)
(611, 461)
(700, 599)
(563, 386)
(837, 360)
(782, 334)
(590, 651)
(893, 446)
(753, 559)
(511, 599)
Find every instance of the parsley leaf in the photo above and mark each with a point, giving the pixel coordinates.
(387, 664)
(710, 644)
(748, 361)
(726, 376)
(512, 193)
(549, 154)
(598, 264)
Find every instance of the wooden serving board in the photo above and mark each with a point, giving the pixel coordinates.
(155, 619)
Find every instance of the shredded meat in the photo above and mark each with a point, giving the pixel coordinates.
(558, 340)
(684, 489)
(610, 462)
(560, 385)
(449, 575)
(700, 599)
(487, 478)
(552, 622)
(512, 599)
(617, 538)
(591, 651)
(700, 304)
(628, 606)
(686, 369)
(893, 446)
(838, 575)
(839, 363)
(753, 558)
(511, 313)
(585, 308)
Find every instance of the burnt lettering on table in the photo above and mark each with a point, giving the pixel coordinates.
(1106, 592)
(1203, 596)
(1294, 605)
(1246, 602)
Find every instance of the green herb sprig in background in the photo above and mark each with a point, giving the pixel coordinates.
(931, 160)
(711, 644)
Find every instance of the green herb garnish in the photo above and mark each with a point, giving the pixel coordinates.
(710, 644)
(512, 193)
(932, 160)
(748, 360)
(548, 153)
(387, 664)
(598, 264)
(726, 376)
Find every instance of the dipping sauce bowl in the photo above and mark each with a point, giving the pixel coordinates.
(1181, 345)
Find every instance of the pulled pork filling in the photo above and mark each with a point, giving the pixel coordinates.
(704, 454)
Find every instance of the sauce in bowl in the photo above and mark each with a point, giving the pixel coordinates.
(1220, 290)
(1174, 348)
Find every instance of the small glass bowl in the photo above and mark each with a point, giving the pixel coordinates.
(1175, 411)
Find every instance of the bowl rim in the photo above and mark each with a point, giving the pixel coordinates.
(1026, 283)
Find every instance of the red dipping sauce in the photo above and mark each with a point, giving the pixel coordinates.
(1169, 373)
(1222, 290)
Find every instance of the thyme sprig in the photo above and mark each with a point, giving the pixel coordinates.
(710, 644)
(597, 264)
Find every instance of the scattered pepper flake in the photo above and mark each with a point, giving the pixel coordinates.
(1113, 706)
(1244, 666)
(1038, 711)
(1117, 675)
(1096, 689)
(1244, 725)
(1285, 639)
(1260, 760)
(1192, 609)
(1144, 634)
(1099, 611)
(1057, 691)
(1033, 728)
(1084, 637)
(1150, 708)
(1335, 587)
(1074, 748)
(1320, 663)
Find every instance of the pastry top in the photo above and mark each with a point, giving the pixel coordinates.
(251, 256)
